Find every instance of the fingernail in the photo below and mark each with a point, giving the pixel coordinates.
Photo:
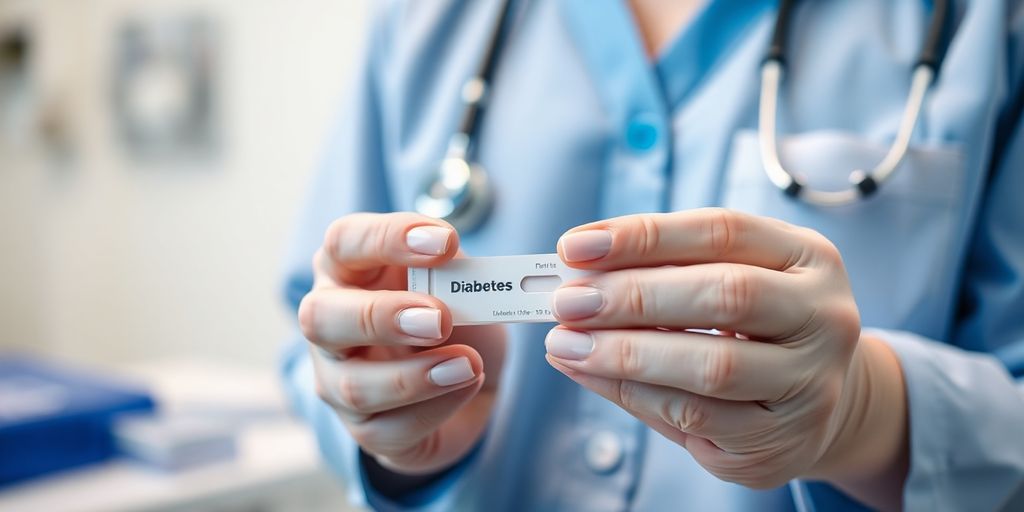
(429, 240)
(586, 245)
(420, 322)
(577, 302)
(452, 371)
(566, 344)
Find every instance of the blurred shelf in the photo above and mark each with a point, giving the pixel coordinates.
(278, 466)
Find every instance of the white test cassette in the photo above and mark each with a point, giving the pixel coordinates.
(496, 289)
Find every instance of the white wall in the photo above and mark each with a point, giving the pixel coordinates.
(110, 260)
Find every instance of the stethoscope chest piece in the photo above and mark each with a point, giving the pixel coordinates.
(458, 192)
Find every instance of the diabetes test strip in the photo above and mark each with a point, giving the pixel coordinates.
(496, 289)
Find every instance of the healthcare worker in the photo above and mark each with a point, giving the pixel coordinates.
(862, 354)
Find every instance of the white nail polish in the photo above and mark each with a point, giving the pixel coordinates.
(452, 371)
(429, 240)
(420, 322)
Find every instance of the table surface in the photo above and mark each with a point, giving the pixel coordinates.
(277, 455)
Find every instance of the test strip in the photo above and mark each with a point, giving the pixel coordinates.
(496, 289)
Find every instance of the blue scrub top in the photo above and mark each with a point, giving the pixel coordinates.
(581, 125)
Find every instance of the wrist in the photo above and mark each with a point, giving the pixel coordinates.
(868, 454)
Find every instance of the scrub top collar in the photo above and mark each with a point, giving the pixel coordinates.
(605, 33)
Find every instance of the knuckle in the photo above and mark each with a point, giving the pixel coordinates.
(648, 235)
(332, 237)
(735, 290)
(350, 395)
(366, 320)
(401, 387)
(307, 317)
(722, 230)
(844, 320)
(630, 364)
(627, 394)
(357, 234)
(717, 370)
(848, 320)
(637, 298)
(378, 238)
(686, 414)
(825, 250)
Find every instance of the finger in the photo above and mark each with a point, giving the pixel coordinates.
(357, 247)
(366, 387)
(683, 411)
(338, 319)
(703, 364)
(742, 298)
(397, 434)
(703, 235)
(489, 342)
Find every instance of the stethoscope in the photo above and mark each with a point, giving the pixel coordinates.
(460, 193)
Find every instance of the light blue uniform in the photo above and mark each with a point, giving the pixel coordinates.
(582, 127)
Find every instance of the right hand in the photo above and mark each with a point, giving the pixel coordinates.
(409, 388)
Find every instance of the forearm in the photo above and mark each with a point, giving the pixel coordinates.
(869, 456)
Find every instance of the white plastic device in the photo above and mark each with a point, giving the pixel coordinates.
(496, 289)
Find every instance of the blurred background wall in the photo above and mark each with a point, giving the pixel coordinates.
(108, 256)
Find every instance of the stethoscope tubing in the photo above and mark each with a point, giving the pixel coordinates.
(862, 183)
(459, 190)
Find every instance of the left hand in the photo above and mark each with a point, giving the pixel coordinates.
(773, 401)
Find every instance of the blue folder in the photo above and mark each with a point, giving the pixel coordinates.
(54, 417)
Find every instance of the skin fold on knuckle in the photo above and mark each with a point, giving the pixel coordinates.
(376, 240)
(637, 298)
(625, 394)
(686, 414)
(646, 235)
(630, 363)
(717, 370)
(735, 290)
(401, 388)
(722, 230)
(350, 394)
(366, 321)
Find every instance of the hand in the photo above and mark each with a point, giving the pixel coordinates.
(410, 389)
(782, 392)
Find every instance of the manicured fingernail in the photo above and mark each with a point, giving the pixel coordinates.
(420, 322)
(577, 302)
(566, 344)
(429, 240)
(586, 245)
(452, 371)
